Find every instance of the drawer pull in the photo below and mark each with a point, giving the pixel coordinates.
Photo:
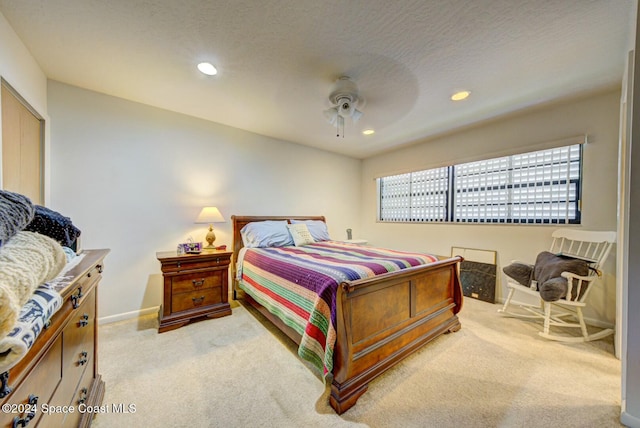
(84, 320)
(198, 283)
(218, 260)
(198, 300)
(23, 422)
(84, 392)
(75, 299)
(83, 358)
(99, 267)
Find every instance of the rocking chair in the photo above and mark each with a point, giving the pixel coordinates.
(592, 247)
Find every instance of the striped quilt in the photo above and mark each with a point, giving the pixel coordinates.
(298, 284)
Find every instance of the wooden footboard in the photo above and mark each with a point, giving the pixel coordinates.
(380, 320)
(384, 319)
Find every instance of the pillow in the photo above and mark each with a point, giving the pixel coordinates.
(301, 234)
(54, 225)
(318, 229)
(548, 270)
(268, 233)
(16, 211)
(520, 272)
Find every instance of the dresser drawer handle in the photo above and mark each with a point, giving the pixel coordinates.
(198, 300)
(23, 422)
(84, 392)
(198, 283)
(84, 320)
(99, 268)
(83, 360)
(218, 260)
(75, 299)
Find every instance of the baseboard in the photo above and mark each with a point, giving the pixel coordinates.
(590, 321)
(128, 315)
(628, 420)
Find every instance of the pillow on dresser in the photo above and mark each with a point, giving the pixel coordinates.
(300, 234)
(268, 233)
(317, 228)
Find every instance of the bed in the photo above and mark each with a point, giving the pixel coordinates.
(379, 320)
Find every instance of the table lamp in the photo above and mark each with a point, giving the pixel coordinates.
(210, 215)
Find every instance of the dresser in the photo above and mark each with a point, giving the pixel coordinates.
(60, 371)
(195, 286)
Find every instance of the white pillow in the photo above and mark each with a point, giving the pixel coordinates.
(300, 233)
(318, 229)
(268, 233)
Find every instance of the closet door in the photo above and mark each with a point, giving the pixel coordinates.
(22, 153)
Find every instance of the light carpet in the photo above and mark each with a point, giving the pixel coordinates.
(237, 371)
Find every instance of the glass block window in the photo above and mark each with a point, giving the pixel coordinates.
(536, 187)
(417, 196)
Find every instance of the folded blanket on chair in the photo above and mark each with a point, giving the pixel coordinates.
(33, 317)
(27, 261)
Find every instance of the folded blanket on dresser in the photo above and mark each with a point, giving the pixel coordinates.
(27, 260)
(33, 317)
(16, 212)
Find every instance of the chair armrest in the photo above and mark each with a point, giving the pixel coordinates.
(522, 263)
(591, 277)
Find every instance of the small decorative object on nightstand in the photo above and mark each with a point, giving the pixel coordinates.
(195, 286)
(210, 215)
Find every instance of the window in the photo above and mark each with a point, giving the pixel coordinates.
(537, 187)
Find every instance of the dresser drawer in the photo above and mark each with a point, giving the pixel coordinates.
(78, 337)
(196, 281)
(37, 389)
(197, 299)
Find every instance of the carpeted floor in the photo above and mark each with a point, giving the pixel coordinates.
(237, 372)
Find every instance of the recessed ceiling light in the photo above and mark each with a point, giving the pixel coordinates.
(460, 95)
(207, 68)
(368, 132)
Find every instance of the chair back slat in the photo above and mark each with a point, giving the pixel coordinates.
(591, 246)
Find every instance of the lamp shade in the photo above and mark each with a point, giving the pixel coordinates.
(210, 215)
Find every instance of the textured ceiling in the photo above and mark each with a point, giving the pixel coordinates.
(278, 59)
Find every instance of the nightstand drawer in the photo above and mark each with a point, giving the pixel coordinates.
(197, 299)
(196, 281)
(195, 263)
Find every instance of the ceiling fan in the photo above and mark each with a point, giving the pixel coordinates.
(345, 98)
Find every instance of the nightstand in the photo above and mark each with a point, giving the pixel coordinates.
(195, 286)
(355, 241)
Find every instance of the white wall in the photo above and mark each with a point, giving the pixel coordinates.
(22, 72)
(597, 116)
(133, 178)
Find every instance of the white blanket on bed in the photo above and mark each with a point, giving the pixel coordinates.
(32, 319)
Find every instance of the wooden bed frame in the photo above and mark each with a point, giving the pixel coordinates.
(380, 320)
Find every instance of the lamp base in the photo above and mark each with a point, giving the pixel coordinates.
(210, 238)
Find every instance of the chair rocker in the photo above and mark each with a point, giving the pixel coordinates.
(593, 247)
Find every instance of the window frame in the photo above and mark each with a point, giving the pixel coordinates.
(556, 198)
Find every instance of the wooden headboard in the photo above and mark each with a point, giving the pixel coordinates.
(241, 221)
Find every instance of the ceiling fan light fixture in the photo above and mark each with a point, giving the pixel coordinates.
(331, 115)
(344, 97)
(207, 68)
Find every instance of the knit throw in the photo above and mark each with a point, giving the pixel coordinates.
(16, 212)
(27, 260)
